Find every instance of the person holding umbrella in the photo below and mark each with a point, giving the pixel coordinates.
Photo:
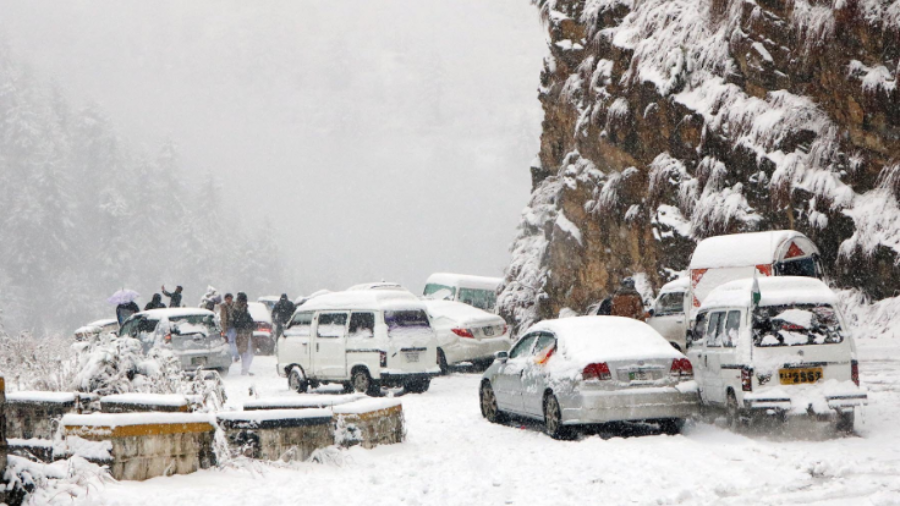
(125, 305)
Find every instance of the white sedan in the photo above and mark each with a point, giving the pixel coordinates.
(589, 370)
(466, 333)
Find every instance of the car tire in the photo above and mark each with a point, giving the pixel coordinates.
(297, 381)
(223, 371)
(489, 409)
(845, 421)
(442, 362)
(418, 386)
(361, 382)
(671, 426)
(553, 425)
(732, 412)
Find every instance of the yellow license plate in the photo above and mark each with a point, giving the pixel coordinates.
(798, 376)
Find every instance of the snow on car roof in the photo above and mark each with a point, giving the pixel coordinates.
(380, 285)
(585, 339)
(102, 323)
(259, 312)
(464, 280)
(774, 291)
(738, 250)
(175, 312)
(676, 285)
(462, 313)
(364, 299)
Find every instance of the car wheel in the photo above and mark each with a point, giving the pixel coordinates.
(489, 409)
(553, 425)
(671, 426)
(732, 412)
(442, 362)
(297, 381)
(223, 371)
(845, 421)
(361, 382)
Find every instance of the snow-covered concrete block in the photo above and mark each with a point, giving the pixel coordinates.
(301, 401)
(36, 414)
(147, 445)
(143, 403)
(279, 434)
(369, 422)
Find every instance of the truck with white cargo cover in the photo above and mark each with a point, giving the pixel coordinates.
(362, 339)
(775, 346)
(718, 260)
(478, 291)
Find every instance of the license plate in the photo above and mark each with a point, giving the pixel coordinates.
(198, 360)
(798, 376)
(639, 376)
(412, 356)
(488, 331)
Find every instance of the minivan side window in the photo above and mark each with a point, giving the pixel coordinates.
(732, 328)
(670, 303)
(362, 325)
(714, 331)
(301, 324)
(331, 325)
(699, 330)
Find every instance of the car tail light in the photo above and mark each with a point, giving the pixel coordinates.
(464, 333)
(747, 379)
(263, 326)
(854, 371)
(505, 329)
(682, 368)
(168, 338)
(382, 358)
(596, 372)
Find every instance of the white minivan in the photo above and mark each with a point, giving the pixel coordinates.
(478, 291)
(362, 339)
(783, 349)
(668, 314)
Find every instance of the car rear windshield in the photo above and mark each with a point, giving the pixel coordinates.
(406, 319)
(193, 324)
(806, 267)
(796, 325)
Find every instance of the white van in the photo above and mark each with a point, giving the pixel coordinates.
(667, 316)
(478, 291)
(363, 339)
(789, 353)
(718, 260)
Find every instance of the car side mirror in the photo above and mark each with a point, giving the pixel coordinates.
(502, 356)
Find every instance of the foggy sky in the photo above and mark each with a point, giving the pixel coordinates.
(384, 139)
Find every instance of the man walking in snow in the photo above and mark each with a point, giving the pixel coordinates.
(155, 303)
(627, 301)
(244, 325)
(174, 297)
(282, 313)
(225, 315)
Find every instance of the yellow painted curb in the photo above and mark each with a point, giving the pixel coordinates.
(99, 432)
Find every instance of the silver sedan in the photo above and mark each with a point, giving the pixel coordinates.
(590, 370)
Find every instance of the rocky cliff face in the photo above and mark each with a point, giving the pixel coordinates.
(668, 121)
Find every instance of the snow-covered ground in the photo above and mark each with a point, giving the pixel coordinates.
(453, 456)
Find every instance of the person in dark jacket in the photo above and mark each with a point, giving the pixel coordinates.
(281, 313)
(155, 303)
(125, 310)
(244, 325)
(174, 297)
(627, 301)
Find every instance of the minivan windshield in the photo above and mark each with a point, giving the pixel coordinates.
(796, 325)
(406, 319)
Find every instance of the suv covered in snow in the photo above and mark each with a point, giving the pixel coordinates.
(194, 336)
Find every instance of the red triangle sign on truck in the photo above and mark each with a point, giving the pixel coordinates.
(794, 251)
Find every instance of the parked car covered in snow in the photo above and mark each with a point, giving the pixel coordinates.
(588, 370)
(96, 328)
(378, 285)
(718, 260)
(194, 336)
(263, 333)
(363, 339)
(782, 349)
(466, 333)
(269, 301)
(667, 315)
(477, 291)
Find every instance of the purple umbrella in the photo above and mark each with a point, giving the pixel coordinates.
(123, 296)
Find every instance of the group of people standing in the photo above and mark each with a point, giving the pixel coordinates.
(125, 309)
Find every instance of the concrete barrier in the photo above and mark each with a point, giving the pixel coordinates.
(147, 445)
(301, 401)
(284, 434)
(144, 403)
(36, 414)
(369, 422)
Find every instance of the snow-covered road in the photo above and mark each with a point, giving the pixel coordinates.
(453, 456)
